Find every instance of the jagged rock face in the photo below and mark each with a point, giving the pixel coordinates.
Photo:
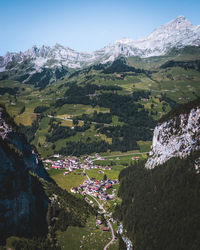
(178, 137)
(31, 160)
(177, 33)
(22, 199)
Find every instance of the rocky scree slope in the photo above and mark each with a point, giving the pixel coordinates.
(23, 203)
(177, 135)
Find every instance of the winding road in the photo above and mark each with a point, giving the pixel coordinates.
(113, 235)
(108, 222)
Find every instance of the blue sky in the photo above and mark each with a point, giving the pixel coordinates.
(85, 25)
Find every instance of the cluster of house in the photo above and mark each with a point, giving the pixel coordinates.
(72, 163)
(96, 188)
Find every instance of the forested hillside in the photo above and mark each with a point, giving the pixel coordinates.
(160, 207)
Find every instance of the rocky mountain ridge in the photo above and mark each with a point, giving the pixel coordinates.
(177, 137)
(177, 33)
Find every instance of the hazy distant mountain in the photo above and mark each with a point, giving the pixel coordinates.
(177, 33)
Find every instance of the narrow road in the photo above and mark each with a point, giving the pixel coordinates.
(108, 222)
(68, 119)
(113, 235)
(60, 118)
(139, 153)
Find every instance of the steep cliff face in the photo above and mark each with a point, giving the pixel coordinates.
(23, 203)
(32, 206)
(177, 137)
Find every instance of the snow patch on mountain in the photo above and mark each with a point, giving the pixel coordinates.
(177, 33)
(124, 40)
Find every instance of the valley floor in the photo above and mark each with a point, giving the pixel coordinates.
(94, 178)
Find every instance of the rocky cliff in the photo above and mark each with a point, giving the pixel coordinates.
(23, 203)
(176, 135)
(177, 33)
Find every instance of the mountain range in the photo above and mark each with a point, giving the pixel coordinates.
(59, 102)
(177, 33)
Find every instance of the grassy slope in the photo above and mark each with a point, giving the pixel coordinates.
(177, 83)
(66, 181)
(88, 237)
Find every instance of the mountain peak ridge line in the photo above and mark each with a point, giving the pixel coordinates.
(178, 33)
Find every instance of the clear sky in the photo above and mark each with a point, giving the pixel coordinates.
(85, 25)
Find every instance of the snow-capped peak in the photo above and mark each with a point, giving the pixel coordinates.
(124, 40)
(176, 33)
(179, 22)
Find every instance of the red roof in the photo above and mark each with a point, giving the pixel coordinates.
(55, 166)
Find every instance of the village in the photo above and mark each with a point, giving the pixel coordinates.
(73, 163)
(99, 191)
(96, 188)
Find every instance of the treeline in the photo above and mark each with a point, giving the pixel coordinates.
(88, 89)
(186, 65)
(168, 100)
(40, 109)
(120, 66)
(160, 207)
(88, 69)
(41, 79)
(10, 91)
(97, 117)
(130, 135)
(123, 139)
(29, 131)
(17, 243)
(81, 148)
(120, 105)
(83, 94)
(60, 132)
(56, 131)
(180, 109)
(137, 95)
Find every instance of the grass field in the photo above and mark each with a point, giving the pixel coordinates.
(89, 237)
(78, 109)
(144, 145)
(124, 159)
(177, 83)
(66, 181)
(111, 174)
